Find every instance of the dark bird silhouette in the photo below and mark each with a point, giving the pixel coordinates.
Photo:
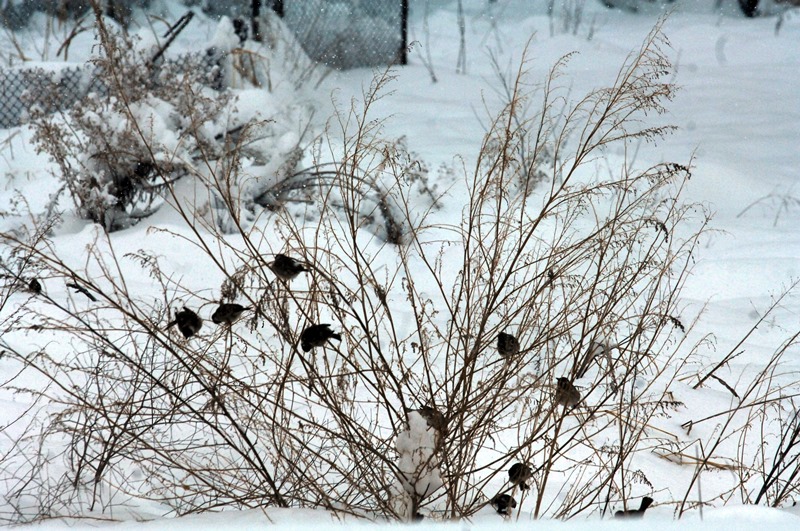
(317, 336)
(636, 513)
(503, 503)
(189, 323)
(227, 313)
(35, 286)
(518, 474)
(507, 345)
(566, 393)
(285, 267)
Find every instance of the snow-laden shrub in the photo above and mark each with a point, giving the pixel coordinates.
(121, 151)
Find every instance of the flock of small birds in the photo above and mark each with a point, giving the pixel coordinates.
(505, 503)
(567, 395)
(519, 473)
(286, 269)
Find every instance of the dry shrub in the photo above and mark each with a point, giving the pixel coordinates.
(585, 269)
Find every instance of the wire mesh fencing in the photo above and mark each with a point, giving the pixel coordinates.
(58, 89)
(338, 33)
(49, 91)
(349, 33)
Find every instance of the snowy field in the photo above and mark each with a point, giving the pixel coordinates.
(737, 118)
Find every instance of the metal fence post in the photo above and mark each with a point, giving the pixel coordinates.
(404, 31)
(255, 7)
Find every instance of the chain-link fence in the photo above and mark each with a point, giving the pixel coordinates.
(23, 89)
(349, 33)
(339, 33)
(52, 90)
(15, 14)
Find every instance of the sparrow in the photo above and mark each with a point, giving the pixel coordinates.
(227, 313)
(507, 345)
(503, 503)
(189, 323)
(35, 286)
(635, 513)
(285, 267)
(518, 474)
(433, 417)
(317, 335)
(566, 393)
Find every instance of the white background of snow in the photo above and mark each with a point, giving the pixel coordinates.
(739, 118)
(723, 519)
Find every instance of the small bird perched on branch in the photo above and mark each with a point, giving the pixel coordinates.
(503, 503)
(317, 335)
(227, 313)
(518, 474)
(566, 393)
(636, 513)
(35, 286)
(507, 345)
(286, 268)
(189, 323)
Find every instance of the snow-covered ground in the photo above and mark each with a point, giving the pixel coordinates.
(738, 119)
(724, 519)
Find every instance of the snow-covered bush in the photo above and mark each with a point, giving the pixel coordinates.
(122, 150)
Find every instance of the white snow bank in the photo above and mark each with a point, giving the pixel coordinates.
(724, 519)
